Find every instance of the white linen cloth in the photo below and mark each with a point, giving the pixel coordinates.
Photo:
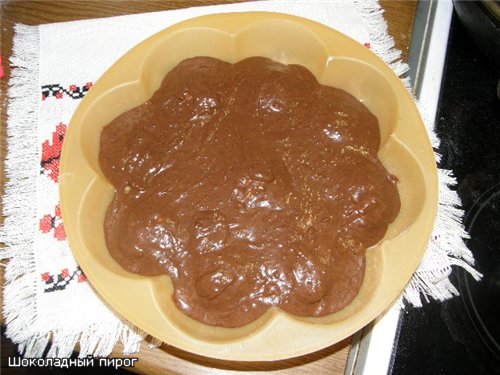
(46, 295)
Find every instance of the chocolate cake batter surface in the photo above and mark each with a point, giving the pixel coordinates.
(250, 185)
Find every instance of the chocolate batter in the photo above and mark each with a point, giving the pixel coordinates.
(251, 186)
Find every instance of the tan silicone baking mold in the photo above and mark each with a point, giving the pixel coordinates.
(335, 60)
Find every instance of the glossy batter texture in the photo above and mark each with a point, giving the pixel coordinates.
(251, 186)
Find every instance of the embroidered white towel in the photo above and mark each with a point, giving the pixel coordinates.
(46, 295)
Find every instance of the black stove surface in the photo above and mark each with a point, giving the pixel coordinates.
(462, 335)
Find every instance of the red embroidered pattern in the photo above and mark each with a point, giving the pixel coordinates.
(49, 166)
(55, 282)
(73, 91)
(53, 222)
(51, 153)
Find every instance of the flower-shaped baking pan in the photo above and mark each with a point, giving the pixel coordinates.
(335, 60)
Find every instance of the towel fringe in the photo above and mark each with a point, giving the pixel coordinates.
(17, 231)
(446, 247)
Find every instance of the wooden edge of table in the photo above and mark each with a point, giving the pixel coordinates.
(155, 361)
(167, 359)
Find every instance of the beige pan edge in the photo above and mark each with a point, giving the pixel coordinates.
(406, 151)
